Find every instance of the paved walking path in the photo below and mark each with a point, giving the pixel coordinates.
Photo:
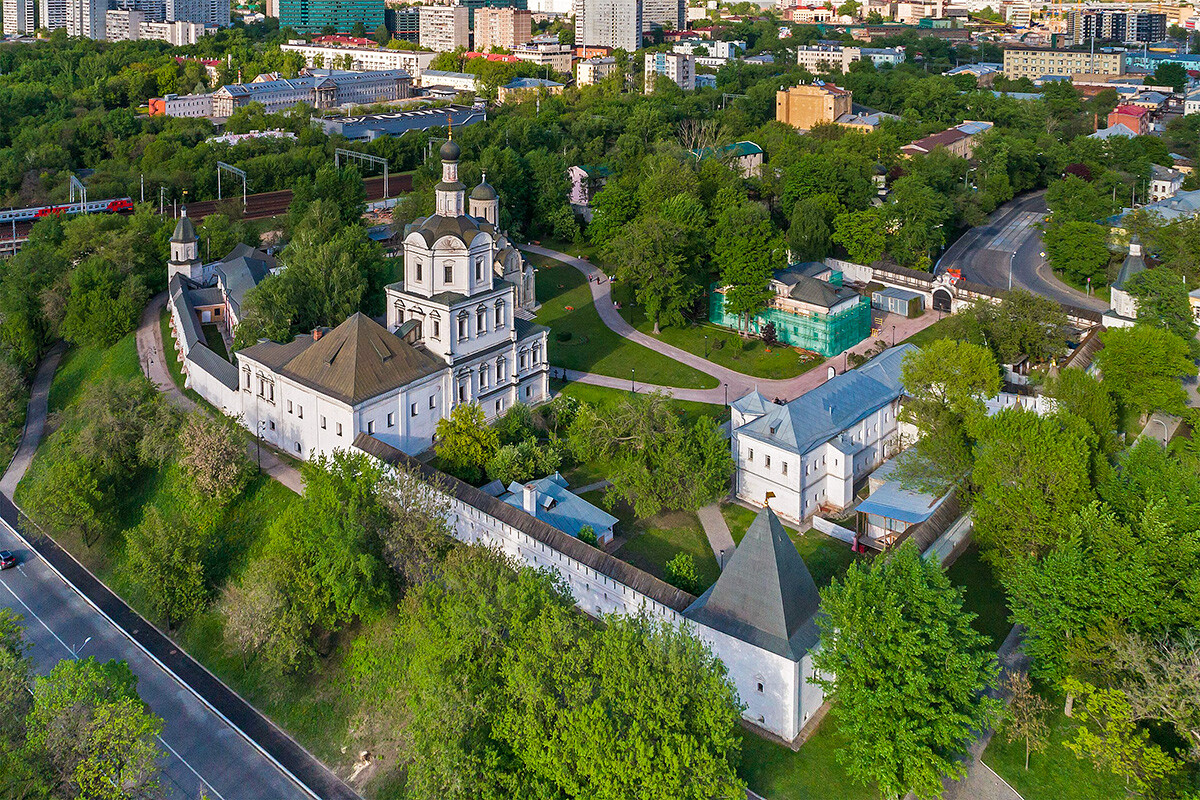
(35, 421)
(592, 487)
(152, 355)
(737, 383)
(717, 531)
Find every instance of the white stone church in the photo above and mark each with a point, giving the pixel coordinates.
(457, 332)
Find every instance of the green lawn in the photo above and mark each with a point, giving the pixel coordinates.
(825, 557)
(932, 333)
(1056, 773)
(214, 340)
(1100, 290)
(813, 773)
(567, 307)
(984, 596)
(651, 543)
(85, 364)
(689, 410)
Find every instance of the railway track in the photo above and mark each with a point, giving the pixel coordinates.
(258, 206)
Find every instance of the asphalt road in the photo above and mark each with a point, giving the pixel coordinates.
(204, 753)
(1011, 236)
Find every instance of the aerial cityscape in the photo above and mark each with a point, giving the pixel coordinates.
(599, 399)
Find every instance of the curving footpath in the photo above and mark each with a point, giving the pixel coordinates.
(737, 383)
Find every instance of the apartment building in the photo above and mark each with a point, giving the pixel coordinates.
(52, 14)
(679, 68)
(86, 18)
(1116, 26)
(361, 59)
(1034, 62)
(593, 70)
(445, 28)
(821, 58)
(547, 52)
(18, 17)
(671, 14)
(608, 23)
(807, 105)
(502, 27)
(211, 13)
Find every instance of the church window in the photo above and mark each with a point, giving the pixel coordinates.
(322, 422)
(785, 468)
(297, 447)
(300, 412)
(370, 426)
(479, 269)
(499, 313)
(481, 320)
(247, 374)
(768, 462)
(437, 326)
(528, 392)
(760, 687)
(534, 354)
(448, 268)
(391, 419)
(431, 401)
(462, 392)
(417, 268)
(339, 429)
(750, 458)
(500, 367)
(289, 406)
(462, 326)
(483, 376)
(523, 359)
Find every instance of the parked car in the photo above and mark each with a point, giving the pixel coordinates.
(7, 559)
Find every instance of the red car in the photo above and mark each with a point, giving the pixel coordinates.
(7, 559)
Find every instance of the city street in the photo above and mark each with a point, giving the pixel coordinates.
(1011, 237)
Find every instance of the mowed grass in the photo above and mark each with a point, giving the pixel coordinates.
(1056, 773)
(689, 410)
(747, 355)
(937, 330)
(652, 542)
(567, 307)
(982, 595)
(812, 773)
(314, 707)
(214, 340)
(825, 557)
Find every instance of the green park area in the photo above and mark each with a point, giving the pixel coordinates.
(580, 340)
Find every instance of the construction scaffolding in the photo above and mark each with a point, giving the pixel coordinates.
(827, 334)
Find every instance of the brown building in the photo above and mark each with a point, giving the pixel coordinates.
(502, 27)
(807, 105)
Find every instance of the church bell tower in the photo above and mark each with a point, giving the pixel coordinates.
(185, 251)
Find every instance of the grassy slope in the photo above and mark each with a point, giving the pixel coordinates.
(312, 707)
(1056, 774)
(592, 346)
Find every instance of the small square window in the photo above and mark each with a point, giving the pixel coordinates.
(297, 447)
(300, 412)
(370, 426)
(322, 422)
(339, 429)
(431, 401)
(289, 406)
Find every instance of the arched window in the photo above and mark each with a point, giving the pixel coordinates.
(499, 314)
(435, 325)
(501, 369)
(462, 325)
(483, 376)
(481, 320)
(417, 270)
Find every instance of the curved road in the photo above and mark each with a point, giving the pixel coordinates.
(1011, 236)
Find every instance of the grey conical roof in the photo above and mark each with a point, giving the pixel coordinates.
(185, 232)
(766, 595)
(484, 191)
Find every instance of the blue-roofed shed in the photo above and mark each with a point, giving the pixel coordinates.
(892, 513)
(899, 301)
(550, 500)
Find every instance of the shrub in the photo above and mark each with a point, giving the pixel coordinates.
(516, 425)
(587, 535)
(563, 336)
(681, 573)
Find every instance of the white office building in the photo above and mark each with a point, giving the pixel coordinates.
(18, 17)
(445, 28)
(212, 13)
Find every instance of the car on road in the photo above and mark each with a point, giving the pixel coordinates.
(7, 559)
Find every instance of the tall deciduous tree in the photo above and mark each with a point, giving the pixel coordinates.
(213, 454)
(1143, 366)
(465, 442)
(746, 251)
(1025, 715)
(1031, 473)
(649, 255)
(907, 679)
(862, 233)
(166, 563)
(1162, 301)
(1078, 249)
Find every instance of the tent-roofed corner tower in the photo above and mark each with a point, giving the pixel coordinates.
(465, 292)
(760, 617)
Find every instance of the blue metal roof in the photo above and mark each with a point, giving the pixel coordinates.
(898, 293)
(893, 501)
(559, 508)
(834, 406)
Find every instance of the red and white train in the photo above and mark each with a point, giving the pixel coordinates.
(120, 205)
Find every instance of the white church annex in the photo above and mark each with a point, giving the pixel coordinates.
(455, 334)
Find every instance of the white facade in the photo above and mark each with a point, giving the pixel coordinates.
(187, 105)
(1191, 105)
(18, 17)
(820, 57)
(364, 59)
(679, 68)
(120, 26)
(86, 18)
(212, 13)
(669, 14)
(608, 23)
(52, 14)
(1164, 183)
(812, 452)
(445, 28)
(461, 81)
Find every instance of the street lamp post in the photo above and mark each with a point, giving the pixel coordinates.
(1011, 258)
(706, 345)
(631, 384)
(893, 336)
